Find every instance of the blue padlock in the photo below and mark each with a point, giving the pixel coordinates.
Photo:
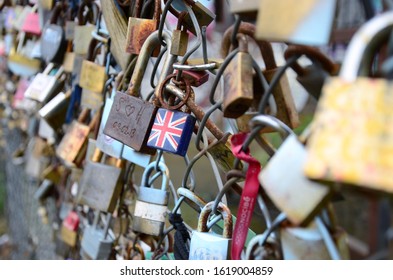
(171, 131)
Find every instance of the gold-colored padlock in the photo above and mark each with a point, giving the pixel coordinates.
(238, 86)
(179, 38)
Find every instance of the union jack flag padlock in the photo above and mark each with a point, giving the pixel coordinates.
(171, 131)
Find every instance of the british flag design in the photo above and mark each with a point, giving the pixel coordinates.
(171, 131)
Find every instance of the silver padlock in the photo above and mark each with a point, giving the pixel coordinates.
(151, 204)
(97, 242)
(283, 178)
(207, 245)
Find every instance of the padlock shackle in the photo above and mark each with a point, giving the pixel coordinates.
(248, 29)
(150, 168)
(57, 11)
(148, 47)
(90, 5)
(273, 122)
(194, 201)
(226, 215)
(312, 53)
(362, 47)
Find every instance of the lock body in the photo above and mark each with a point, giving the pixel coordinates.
(138, 31)
(69, 229)
(294, 194)
(100, 186)
(129, 121)
(179, 42)
(171, 131)
(53, 44)
(238, 86)
(73, 143)
(150, 211)
(209, 246)
(95, 245)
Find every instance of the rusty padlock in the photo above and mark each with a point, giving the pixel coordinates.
(73, 145)
(209, 246)
(285, 106)
(139, 29)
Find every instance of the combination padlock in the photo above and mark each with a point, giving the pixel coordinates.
(151, 204)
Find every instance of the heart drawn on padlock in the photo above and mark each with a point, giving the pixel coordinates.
(129, 110)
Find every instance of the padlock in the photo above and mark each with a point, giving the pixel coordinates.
(151, 204)
(45, 86)
(309, 22)
(31, 22)
(115, 148)
(195, 78)
(209, 246)
(171, 131)
(131, 118)
(69, 229)
(96, 242)
(83, 31)
(307, 243)
(100, 184)
(92, 75)
(179, 38)
(221, 152)
(238, 83)
(313, 76)
(295, 195)
(54, 112)
(36, 158)
(139, 29)
(348, 144)
(285, 106)
(53, 41)
(72, 146)
(247, 10)
(203, 15)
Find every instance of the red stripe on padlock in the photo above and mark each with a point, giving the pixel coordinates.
(71, 222)
(248, 197)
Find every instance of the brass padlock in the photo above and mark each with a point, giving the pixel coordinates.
(100, 184)
(83, 31)
(139, 29)
(131, 118)
(307, 22)
(285, 106)
(238, 83)
(179, 38)
(92, 75)
(348, 144)
(151, 205)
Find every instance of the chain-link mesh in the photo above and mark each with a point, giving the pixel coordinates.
(30, 237)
